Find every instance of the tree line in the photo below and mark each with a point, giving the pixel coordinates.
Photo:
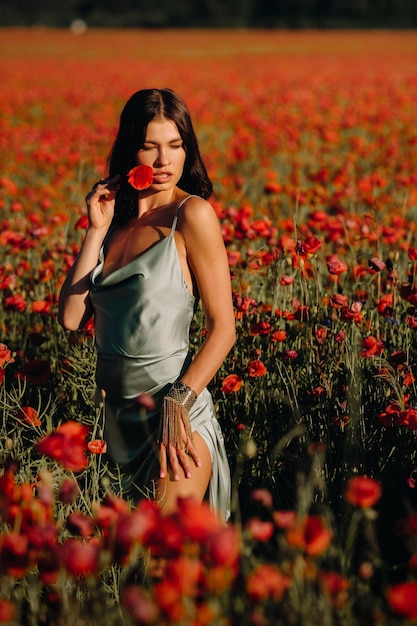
(212, 13)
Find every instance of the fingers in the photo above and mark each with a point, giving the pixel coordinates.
(177, 459)
(104, 190)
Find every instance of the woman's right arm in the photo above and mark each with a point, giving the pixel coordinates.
(74, 307)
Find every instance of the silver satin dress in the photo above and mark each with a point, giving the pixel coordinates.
(143, 312)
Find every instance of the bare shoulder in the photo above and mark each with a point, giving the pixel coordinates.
(196, 216)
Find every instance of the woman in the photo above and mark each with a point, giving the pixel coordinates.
(148, 257)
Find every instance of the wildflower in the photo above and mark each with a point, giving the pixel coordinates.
(335, 266)
(267, 581)
(139, 605)
(286, 280)
(336, 586)
(80, 558)
(140, 177)
(196, 520)
(257, 368)
(146, 401)
(82, 223)
(232, 383)
(7, 611)
(284, 519)
(363, 492)
(279, 336)
(97, 446)
(263, 496)
(223, 547)
(402, 599)
(377, 265)
(311, 535)
(371, 347)
(68, 491)
(260, 328)
(15, 303)
(412, 254)
(67, 444)
(5, 355)
(29, 415)
(80, 524)
(260, 530)
(14, 554)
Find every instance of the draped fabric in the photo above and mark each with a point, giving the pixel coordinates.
(143, 312)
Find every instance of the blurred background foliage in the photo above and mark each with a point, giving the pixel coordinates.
(212, 13)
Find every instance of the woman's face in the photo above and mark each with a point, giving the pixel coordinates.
(164, 151)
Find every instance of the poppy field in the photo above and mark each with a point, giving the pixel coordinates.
(310, 139)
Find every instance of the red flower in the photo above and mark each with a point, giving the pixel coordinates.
(279, 335)
(260, 530)
(15, 303)
(402, 598)
(267, 582)
(29, 415)
(232, 383)
(80, 558)
(140, 177)
(7, 611)
(97, 446)
(139, 605)
(377, 265)
(335, 266)
(5, 355)
(66, 445)
(81, 223)
(412, 254)
(256, 368)
(260, 328)
(371, 347)
(363, 492)
(310, 535)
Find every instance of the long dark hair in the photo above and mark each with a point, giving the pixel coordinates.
(141, 108)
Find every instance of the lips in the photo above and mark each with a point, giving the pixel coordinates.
(162, 177)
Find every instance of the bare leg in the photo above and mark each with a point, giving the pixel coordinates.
(168, 490)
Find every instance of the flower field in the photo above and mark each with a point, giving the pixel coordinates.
(311, 141)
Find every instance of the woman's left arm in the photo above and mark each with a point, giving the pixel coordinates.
(207, 259)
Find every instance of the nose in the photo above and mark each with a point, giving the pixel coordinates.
(162, 157)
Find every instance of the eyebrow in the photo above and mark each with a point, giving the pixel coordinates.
(155, 143)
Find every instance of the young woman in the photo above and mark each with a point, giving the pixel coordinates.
(147, 259)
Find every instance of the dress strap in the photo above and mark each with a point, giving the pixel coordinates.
(177, 210)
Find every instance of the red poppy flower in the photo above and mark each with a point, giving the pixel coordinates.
(402, 598)
(376, 264)
(267, 581)
(81, 223)
(15, 303)
(371, 347)
(7, 611)
(5, 355)
(335, 266)
(139, 605)
(97, 446)
(232, 383)
(363, 492)
(80, 558)
(29, 415)
(260, 328)
(279, 335)
(256, 368)
(67, 444)
(260, 530)
(311, 535)
(140, 177)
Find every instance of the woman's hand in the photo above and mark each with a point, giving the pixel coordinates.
(177, 458)
(100, 202)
